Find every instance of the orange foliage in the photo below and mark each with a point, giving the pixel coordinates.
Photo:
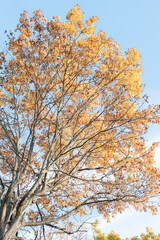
(73, 124)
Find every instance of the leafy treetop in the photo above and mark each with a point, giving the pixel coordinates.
(72, 125)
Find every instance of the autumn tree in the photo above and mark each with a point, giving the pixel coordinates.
(98, 235)
(73, 120)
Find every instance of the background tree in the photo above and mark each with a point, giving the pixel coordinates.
(98, 235)
(72, 126)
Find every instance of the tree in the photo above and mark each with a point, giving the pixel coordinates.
(72, 126)
(98, 235)
(149, 235)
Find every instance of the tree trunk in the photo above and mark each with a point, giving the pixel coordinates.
(13, 229)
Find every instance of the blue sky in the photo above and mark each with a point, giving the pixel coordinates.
(132, 23)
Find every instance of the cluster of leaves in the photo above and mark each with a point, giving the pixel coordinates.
(72, 125)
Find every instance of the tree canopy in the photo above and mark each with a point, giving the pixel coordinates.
(73, 120)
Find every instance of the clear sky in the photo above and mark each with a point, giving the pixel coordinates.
(132, 23)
